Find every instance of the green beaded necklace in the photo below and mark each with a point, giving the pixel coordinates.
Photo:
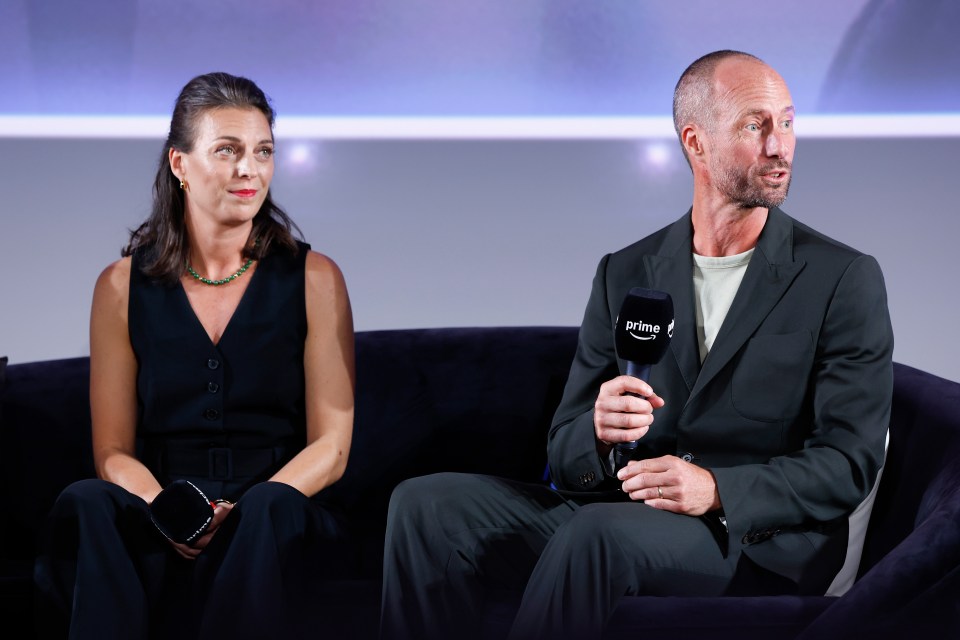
(217, 283)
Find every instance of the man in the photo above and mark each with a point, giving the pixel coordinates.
(759, 431)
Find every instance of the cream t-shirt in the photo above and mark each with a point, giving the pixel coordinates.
(715, 283)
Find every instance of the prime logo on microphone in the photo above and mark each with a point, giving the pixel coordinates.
(644, 326)
(645, 330)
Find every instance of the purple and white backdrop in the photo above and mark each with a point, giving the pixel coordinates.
(468, 162)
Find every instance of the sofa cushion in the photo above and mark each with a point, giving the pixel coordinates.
(856, 532)
(683, 618)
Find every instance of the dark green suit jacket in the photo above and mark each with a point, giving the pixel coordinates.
(790, 408)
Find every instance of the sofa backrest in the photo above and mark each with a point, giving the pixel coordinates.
(471, 399)
(451, 399)
(428, 400)
(44, 446)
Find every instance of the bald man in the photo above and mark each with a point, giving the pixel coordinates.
(758, 433)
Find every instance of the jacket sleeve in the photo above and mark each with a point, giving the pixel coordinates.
(852, 385)
(575, 464)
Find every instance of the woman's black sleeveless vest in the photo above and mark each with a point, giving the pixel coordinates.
(225, 415)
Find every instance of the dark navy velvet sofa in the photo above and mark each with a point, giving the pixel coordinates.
(481, 400)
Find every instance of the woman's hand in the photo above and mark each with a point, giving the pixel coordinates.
(191, 551)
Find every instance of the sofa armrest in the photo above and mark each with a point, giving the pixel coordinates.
(913, 591)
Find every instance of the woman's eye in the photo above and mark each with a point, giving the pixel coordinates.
(265, 152)
(226, 150)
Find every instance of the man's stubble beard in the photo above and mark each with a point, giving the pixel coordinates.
(742, 188)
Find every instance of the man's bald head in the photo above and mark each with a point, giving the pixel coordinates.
(693, 97)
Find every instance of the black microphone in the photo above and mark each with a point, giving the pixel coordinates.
(182, 512)
(642, 335)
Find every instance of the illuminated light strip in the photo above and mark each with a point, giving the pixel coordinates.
(477, 128)
(880, 126)
(95, 127)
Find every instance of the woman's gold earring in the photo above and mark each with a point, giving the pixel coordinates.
(181, 183)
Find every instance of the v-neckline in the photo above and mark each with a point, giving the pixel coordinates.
(240, 303)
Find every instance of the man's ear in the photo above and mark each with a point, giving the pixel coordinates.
(692, 139)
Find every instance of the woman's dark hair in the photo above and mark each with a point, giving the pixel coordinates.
(165, 230)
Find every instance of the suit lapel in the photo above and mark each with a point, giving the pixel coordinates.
(671, 270)
(770, 273)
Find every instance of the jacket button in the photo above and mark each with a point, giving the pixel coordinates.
(213, 387)
(211, 414)
(213, 364)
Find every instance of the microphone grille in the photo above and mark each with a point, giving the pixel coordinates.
(644, 326)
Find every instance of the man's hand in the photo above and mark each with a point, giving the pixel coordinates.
(618, 417)
(191, 551)
(671, 484)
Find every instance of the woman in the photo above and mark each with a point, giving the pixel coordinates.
(221, 352)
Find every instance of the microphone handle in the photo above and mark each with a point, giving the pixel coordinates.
(623, 451)
(638, 370)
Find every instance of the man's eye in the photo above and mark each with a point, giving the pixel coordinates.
(753, 127)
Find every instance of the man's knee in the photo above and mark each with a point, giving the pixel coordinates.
(439, 492)
(614, 530)
(589, 526)
(444, 505)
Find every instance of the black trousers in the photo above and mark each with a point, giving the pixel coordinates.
(106, 572)
(451, 537)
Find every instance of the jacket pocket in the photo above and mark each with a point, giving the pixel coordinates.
(771, 376)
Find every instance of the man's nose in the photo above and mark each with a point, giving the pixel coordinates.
(777, 145)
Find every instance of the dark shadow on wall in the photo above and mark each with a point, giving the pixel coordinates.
(899, 56)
